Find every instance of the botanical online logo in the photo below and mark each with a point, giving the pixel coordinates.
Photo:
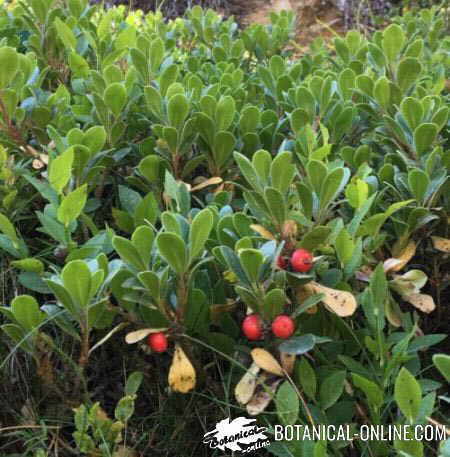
(239, 435)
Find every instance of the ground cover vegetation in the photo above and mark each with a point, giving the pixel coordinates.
(196, 225)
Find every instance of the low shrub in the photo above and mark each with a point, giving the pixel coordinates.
(157, 177)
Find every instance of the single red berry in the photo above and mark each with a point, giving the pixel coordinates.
(281, 263)
(302, 260)
(252, 327)
(157, 341)
(283, 326)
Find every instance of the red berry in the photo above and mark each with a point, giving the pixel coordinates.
(283, 326)
(302, 260)
(252, 327)
(157, 341)
(281, 263)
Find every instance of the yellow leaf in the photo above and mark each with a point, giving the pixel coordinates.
(403, 258)
(245, 388)
(261, 399)
(266, 361)
(207, 182)
(339, 301)
(441, 244)
(287, 362)
(262, 231)
(423, 302)
(182, 376)
(138, 335)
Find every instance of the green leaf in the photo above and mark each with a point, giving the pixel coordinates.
(72, 205)
(150, 167)
(178, 110)
(442, 363)
(274, 303)
(251, 261)
(418, 182)
(95, 138)
(407, 394)
(156, 54)
(61, 170)
(345, 246)
(134, 381)
(275, 202)
(30, 264)
(8, 229)
(382, 92)
(333, 185)
(357, 192)
(424, 135)
(65, 34)
(115, 98)
(331, 389)
(27, 313)
(142, 240)
(408, 71)
(315, 237)
(199, 232)
(9, 66)
(412, 111)
(128, 252)
(173, 250)
(393, 41)
(76, 278)
(287, 404)
(307, 378)
(282, 171)
(372, 391)
(225, 111)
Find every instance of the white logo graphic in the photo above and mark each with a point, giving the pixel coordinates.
(241, 435)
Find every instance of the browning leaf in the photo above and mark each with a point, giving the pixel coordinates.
(182, 376)
(206, 183)
(245, 388)
(403, 258)
(266, 361)
(262, 398)
(262, 231)
(441, 244)
(287, 362)
(138, 335)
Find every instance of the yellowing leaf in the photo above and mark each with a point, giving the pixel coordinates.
(182, 376)
(262, 231)
(423, 302)
(138, 335)
(441, 244)
(392, 315)
(287, 362)
(245, 388)
(206, 183)
(261, 399)
(402, 259)
(266, 361)
(339, 301)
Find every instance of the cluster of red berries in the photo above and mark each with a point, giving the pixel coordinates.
(282, 327)
(301, 261)
(157, 342)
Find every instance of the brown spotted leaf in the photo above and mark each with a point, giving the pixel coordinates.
(341, 302)
(182, 376)
(423, 302)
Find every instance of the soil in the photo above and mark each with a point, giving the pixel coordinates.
(314, 17)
